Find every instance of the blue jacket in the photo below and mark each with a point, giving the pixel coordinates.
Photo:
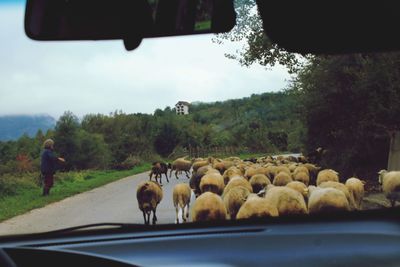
(49, 162)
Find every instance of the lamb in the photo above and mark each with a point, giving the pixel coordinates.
(181, 165)
(212, 182)
(234, 199)
(208, 207)
(299, 187)
(281, 179)
(237, 181)
(257, 207)
(325, 200)
(356, 188)
(259, 182)
(342, 188)
(181, 198)
(390, 182)
(149, 194)
(286, 200)
(159, 168)
(327, 175)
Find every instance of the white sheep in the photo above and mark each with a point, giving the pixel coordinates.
(212, 182)
(286, 200)
(327, 175)
(234, 199)
(325, 200)
(282, 179)
(356, 188)
(259, 182)
(342, 188)
(390, 182)
(208, 207)
(257, 207)
(181, 199)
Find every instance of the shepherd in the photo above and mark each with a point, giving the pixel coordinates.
(48, 165)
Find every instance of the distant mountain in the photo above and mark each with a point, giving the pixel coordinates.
(14, 126)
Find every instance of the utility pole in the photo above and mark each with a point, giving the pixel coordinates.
(394, 151)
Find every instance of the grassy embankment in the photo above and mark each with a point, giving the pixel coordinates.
(23, 194)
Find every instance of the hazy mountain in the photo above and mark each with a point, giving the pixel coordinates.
(14, 126)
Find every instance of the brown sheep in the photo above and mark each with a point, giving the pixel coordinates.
(149, 195)
(208, 207)
(179, 165)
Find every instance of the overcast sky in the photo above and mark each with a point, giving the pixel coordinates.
(101, 77)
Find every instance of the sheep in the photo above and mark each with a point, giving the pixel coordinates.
(229, 173)
(342, 188)
(208, 207)
(283, 168)
(159, 168)
(219, 165)
(356, 188)
(259, 182)
(313, 170)
(301, 169)
(302, 177)
(196, 178)
(198, 164)
(212, 182)
(180, 165)
(299, 187)
(237, 181)
(390, 182)
(271, 171)
(257, 207)
(255, 170)
(286, 200)
(325, 200)
(327, 175)
(281, 179)
(149, 194)
(234, 199)
(181, 199)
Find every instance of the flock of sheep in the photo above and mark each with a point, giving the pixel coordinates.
(232, 188)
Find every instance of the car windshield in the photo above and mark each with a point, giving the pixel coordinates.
(191, 128)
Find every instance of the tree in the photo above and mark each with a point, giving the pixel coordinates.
(66, 139)
(257, 47)
(166, 140)
(350, 103)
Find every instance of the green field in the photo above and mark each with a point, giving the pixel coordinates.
(67, 184)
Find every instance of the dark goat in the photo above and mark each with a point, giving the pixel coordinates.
(158, 169)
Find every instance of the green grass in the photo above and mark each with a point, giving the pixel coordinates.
(67, 184)
(203, 25)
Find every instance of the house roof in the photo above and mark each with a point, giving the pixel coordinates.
(183, 103)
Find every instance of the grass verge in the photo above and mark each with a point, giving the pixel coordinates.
(66, 185)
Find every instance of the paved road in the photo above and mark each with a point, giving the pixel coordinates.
(114, 202)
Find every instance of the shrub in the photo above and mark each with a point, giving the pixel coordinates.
(129, 163)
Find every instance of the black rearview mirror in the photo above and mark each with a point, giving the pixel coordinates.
(125, 19)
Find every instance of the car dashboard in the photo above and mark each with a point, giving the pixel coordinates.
(362, 241)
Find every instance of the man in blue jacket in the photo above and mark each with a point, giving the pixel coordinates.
(49, 165)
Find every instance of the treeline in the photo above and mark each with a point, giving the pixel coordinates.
(261, 123)
(350, 106)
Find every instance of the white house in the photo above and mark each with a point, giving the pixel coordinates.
(182, 108)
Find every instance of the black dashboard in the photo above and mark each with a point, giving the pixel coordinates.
(357, 240)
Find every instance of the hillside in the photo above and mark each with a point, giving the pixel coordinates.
(13, 127)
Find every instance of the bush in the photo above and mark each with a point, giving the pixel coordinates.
(11, 184)
(129, 163)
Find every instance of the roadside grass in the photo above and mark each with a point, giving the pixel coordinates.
(66, 185)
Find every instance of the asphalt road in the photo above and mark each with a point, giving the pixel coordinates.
(114, 202)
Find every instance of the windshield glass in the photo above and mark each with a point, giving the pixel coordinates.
(223, 124)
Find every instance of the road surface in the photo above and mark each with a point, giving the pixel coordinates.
(114, 202)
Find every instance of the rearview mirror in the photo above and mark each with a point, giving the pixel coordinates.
(129, 20)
